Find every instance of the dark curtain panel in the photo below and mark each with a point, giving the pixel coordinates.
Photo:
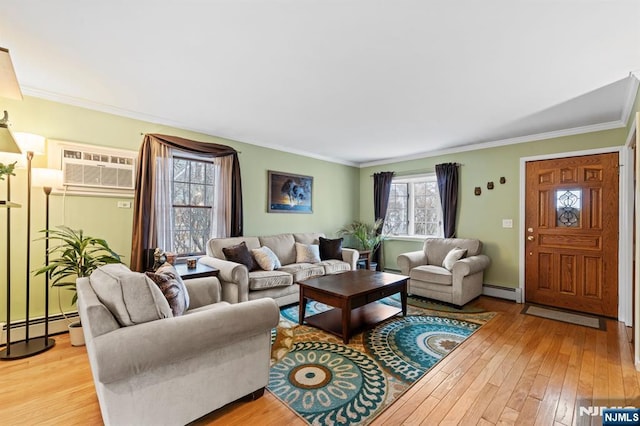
(381, 190)
(144, 236)
(447, 175)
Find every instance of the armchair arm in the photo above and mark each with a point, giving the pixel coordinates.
(230, 272)
(408, 261)
(351, 256)
(202, 291)
(471, 265)
(133, 350)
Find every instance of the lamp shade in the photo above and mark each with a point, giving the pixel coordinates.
(9, 87)
(30, 143)
(46, 178)
(7, 140)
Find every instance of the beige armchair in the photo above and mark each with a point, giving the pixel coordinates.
(160, 369)
(436, 274)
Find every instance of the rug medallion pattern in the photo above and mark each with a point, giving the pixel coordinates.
(328, 383)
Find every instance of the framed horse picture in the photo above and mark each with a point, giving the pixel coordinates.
(290, 193)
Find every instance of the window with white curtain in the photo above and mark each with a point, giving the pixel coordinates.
(414, 207)
(193, 195)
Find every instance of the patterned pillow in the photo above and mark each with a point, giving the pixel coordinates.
(453, 256)
(240, 254)
(307, 253)
(266, 259)
(168, 280)
(330, 249)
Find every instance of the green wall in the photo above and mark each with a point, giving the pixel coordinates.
(481, 216)
(335, 198)
(341, 193)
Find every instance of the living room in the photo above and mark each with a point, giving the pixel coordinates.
(343, 190)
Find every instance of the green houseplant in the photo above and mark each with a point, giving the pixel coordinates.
(71, 255)
(366, 234)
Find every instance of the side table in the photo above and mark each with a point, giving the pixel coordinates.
(364, 255)
(200, 271)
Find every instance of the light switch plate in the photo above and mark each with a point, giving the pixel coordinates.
(507, 223)
(124, 204)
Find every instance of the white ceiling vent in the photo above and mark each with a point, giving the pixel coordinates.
(94, 170)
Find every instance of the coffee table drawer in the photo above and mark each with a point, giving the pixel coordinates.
(382, 293)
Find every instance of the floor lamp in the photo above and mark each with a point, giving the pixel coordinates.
(11, 155)
(31, 145)
(47, 179)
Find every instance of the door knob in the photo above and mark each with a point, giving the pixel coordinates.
(530, 238)
(529, 229)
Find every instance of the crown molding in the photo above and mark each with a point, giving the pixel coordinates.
(504, 142)
(122, 112)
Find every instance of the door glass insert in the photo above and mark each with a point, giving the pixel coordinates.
(568, 207)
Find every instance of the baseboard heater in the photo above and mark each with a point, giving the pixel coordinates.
(57, 324)
(508, 293)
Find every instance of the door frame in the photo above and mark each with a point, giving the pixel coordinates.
(625, 221)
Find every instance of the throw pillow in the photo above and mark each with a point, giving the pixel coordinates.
(266, 259)
(130, 296)
(168, 280)
(453, 256)
(330, 249)
(307, 253)
(240, 254)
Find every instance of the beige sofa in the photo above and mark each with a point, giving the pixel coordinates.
(458, 283)
(164, 370)
(239, 284)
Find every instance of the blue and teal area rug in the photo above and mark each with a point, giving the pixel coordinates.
(328, 383)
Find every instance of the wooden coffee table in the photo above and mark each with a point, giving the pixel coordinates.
(353, 294)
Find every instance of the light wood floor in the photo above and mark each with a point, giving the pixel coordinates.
(517, 369)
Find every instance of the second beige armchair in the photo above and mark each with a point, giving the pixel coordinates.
(446, 269)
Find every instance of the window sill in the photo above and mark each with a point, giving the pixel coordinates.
(414, 238)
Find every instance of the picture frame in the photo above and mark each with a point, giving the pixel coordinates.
(289, 193)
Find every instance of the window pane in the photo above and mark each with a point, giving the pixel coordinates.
(197, 194)
(396, 221)
(180, 194)
(180, 170)
(197, 172)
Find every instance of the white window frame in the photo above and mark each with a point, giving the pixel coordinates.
(431, 177)
(196, 158)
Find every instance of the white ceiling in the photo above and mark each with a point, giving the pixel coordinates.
(354, 81)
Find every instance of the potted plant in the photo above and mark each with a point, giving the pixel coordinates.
(366, 234)
(7, 170)
(72, 255)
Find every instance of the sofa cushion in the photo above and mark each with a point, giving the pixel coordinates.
(260, 280)
(168, 280)
(452, 257)
(432, 274)
(240, 254)
(266, 259)
(330, 249)
(215, 245)
(307, 253)
(131, 297)
(333, 266)
(303, 271)
(283, 245)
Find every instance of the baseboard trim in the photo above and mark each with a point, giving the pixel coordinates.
(57, 324)
(513, 294)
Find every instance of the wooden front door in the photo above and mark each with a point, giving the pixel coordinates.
(571, 233)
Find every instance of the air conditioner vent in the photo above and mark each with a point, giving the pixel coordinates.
(93, 169)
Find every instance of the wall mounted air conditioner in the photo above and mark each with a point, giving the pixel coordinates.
(89, 169)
